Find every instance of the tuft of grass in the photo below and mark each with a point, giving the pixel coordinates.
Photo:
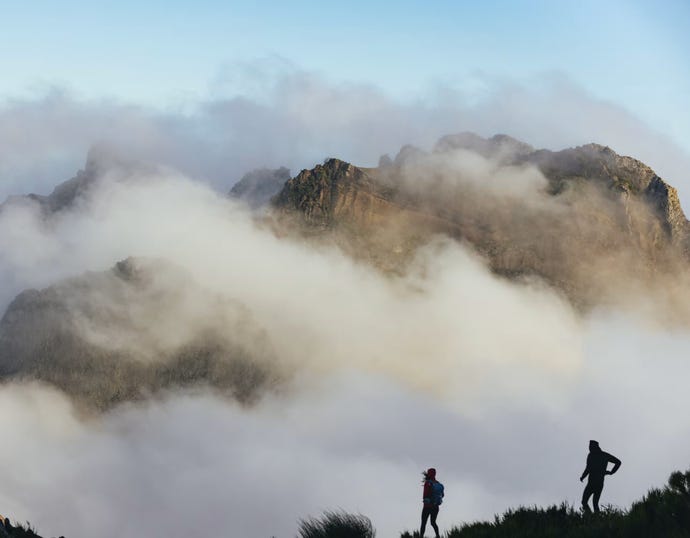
(337, 524)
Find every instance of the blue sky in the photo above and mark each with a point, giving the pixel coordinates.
(172, 53)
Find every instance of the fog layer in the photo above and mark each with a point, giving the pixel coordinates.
(197, 463)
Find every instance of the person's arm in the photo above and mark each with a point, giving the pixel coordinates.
(426, 496)
(616, 464)
(586, 471)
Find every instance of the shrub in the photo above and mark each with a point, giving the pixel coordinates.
(337, 524)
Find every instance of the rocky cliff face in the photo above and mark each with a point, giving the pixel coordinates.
(586, 210)
(133, 331)
(336, 192)
(625, 175)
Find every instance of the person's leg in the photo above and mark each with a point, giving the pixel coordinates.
(596, 494)
(425, 516)
(586, 494)
(434, 514)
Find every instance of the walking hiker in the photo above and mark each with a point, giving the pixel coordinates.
(597, 469)
(432, 499)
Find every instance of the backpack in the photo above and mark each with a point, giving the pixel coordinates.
(436, 493)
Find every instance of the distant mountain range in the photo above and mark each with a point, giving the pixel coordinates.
(585, 221)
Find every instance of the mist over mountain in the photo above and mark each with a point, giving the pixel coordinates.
(483, 290)
(100, 161)
(263, 262)
(129, 333)
(590, 223)
(259, 186)
(586, 223)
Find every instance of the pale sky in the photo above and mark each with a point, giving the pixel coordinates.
(175, 53)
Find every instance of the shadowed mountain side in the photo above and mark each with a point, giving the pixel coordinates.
(121, 335)
(589, 222)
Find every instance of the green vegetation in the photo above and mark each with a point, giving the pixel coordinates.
(662, 513)
(337, 525)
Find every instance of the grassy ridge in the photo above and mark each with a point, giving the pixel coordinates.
(662, 513)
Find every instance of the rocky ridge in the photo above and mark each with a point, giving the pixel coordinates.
(597, 211)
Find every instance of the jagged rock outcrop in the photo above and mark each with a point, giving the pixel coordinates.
(124, 334)
(333, 192)
(257, 187)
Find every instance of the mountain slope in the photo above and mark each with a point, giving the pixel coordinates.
(593, 225)
(568, 217)
(128, 333)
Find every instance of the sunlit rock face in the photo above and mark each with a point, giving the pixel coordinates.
(570, 217)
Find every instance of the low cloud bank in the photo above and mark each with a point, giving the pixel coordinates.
(195, 462)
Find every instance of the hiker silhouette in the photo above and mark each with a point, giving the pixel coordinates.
(432, 497)
(596, 470)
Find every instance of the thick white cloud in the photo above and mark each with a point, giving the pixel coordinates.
(321, 310)
(355, 441)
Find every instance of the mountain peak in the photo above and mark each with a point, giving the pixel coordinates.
(499, 146)
(327, 191)
(258, 186)
(608, 206)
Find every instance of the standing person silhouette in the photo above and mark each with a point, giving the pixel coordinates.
(432, 498)
(597, 463)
